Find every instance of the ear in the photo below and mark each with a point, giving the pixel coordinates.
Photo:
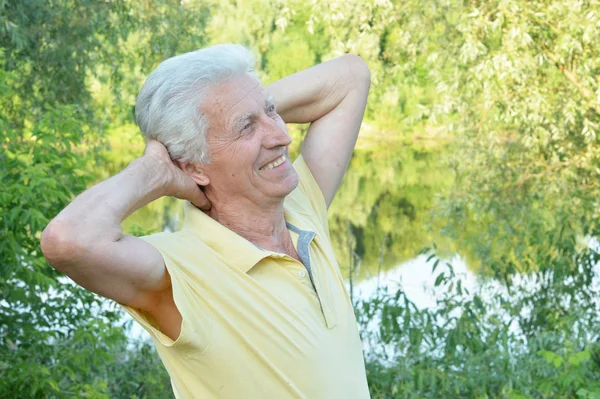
(195, 171)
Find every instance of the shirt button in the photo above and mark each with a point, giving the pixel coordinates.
(302, 274)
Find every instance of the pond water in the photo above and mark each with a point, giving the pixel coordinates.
(385, 213)
(387, 210)
(379, 221)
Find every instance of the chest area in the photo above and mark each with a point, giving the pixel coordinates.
(308, 284)
(284, 315)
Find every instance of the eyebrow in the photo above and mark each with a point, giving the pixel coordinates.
(242, 118)
(268, 102)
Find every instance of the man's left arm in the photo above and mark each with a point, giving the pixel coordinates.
(331, 97)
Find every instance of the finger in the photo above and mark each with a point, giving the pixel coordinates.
(199, 199)
(157, 149)
(150, 143)
(152, 148)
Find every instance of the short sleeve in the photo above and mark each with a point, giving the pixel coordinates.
(195, 334)
(311, 190)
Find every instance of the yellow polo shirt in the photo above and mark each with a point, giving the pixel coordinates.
(254, 325)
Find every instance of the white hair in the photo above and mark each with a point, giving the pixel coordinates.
(168, 106)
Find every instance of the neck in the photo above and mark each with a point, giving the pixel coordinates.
(264, 226)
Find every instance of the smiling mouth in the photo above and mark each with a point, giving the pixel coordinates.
(275, 163)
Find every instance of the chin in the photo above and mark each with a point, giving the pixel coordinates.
(285, 188)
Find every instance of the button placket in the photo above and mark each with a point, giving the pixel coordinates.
(305, 238)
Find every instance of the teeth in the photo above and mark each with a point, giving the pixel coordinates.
(275, 163)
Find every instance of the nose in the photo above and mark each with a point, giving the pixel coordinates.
(275, 134)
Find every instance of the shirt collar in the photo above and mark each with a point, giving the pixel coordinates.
(233, 249)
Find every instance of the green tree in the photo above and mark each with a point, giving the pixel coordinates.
(524, 91)
(51, 332)
(57, 61)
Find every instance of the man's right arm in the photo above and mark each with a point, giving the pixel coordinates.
(86, 242)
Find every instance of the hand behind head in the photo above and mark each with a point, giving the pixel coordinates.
(177, 183)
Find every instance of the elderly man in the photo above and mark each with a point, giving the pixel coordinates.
(247, 299)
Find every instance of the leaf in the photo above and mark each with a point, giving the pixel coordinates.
(439, 279)
(435, 265)
(552, 358)
(579, 357)
(516, 394)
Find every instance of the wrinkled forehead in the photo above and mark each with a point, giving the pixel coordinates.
(233, 98)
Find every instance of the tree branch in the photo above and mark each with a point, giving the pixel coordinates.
(585, 92)
(526, 177)
(571, 77)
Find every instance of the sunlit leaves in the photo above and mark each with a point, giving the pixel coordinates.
(520, 341)
(55, 337)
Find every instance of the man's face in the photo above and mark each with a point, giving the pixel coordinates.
(248, 145)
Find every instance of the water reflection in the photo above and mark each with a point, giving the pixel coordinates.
(381, 215)
(379, 218)
(416, 278)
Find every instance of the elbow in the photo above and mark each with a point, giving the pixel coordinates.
(359, 69)
(58, 245)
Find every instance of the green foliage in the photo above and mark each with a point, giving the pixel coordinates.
(397, 186)
(55, 337)
(43, 318)
(137, 372)
(537, 339)
(286, 55)
(523, 94)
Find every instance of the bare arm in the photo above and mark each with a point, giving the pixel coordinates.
(86, 241)
(332, 97)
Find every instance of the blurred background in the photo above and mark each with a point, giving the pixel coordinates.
(467, 225)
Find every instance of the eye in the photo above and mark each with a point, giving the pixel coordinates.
(246, 127)
(272, 108)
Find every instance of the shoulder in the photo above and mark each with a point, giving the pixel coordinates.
(167, 241)
(163, 237)
(307, 198)
(178, 248)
